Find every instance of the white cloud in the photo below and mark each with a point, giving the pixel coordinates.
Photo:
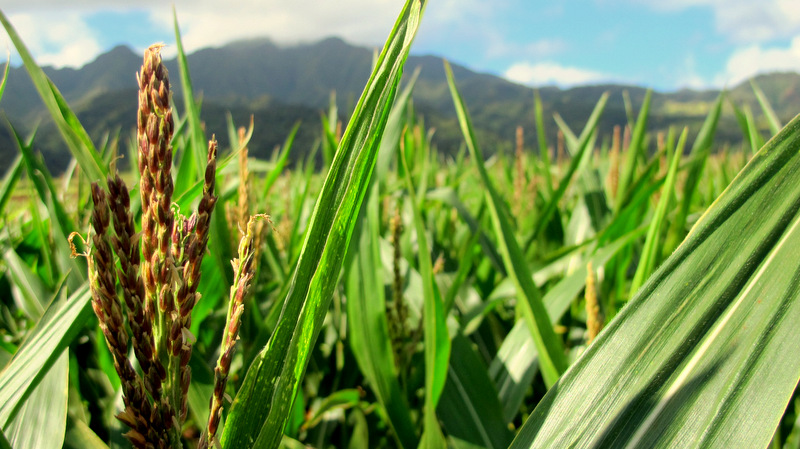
(499, 47)
(56, 38)
(57, 33)
(744, 21)
(211, 23)
(754, 59)
(545, 73)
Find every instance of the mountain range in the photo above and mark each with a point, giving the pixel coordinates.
(280, 85)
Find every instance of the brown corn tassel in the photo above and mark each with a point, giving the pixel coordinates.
(126, 245)
(244, 271)
(594, 320)
(155, 129)
(195, 235)
(244, 192)
(105, 303)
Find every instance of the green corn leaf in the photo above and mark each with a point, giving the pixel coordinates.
(394, 128)
(41, 422)
(634, 149)
(449, 196)
(80, 436)
(437, 339)
(368, 328)
(360, 437)
(699, 358)
(59, 325)
(78, 141)
(283, 158)
(582, 146)
(261, 408)
(5, 77)
(569, 137)
(60, 222)
(652, 249)
(29, 291)
(554, 361)
(772, 118)
(541, 138)
(516, 362)
(339, 400)
(4, 444)
(9, 182)
(469, 407)
(698, 154)
(192, 165)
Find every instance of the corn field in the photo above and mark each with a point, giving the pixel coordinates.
(640, 291)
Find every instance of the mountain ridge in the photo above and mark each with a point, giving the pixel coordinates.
(259, 77)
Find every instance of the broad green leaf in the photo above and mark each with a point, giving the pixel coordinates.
(368, 328)
(541, 136)
(41, 421)
(59, 325)
(60, 222)
(698, 154)
(464, 266)
(554, 361)
(469, 408)
(201, 388)
(282, 160)
(30, 294)
(360, 437)
(516, 362)
(341, 399)
(582, 146)
(394, 128)
(448, 196)
(5, 77)
(772, 118)
(78, 141)
(632, 153)
(9, 182)
(80, 436)
(260, 410)
(652, 249)
(699, 357)
(436, 337)
(569, 137)
(192, 164)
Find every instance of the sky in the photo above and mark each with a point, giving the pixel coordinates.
(663, 44)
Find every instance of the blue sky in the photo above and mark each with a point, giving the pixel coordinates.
(662, 44)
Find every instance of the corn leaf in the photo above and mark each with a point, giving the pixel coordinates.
(80, 436)
(436, 337)
(632, 154)
(41, 422)
(9, 182)
(194, 155)
(652, 249)
(698, 154)
(772, 118)
(541, 139)
(261, 408)
(78, 141)
(553, 361)
(582, 146)
(59, 325)
(701, 356)
(368, 328)
(469, 407)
